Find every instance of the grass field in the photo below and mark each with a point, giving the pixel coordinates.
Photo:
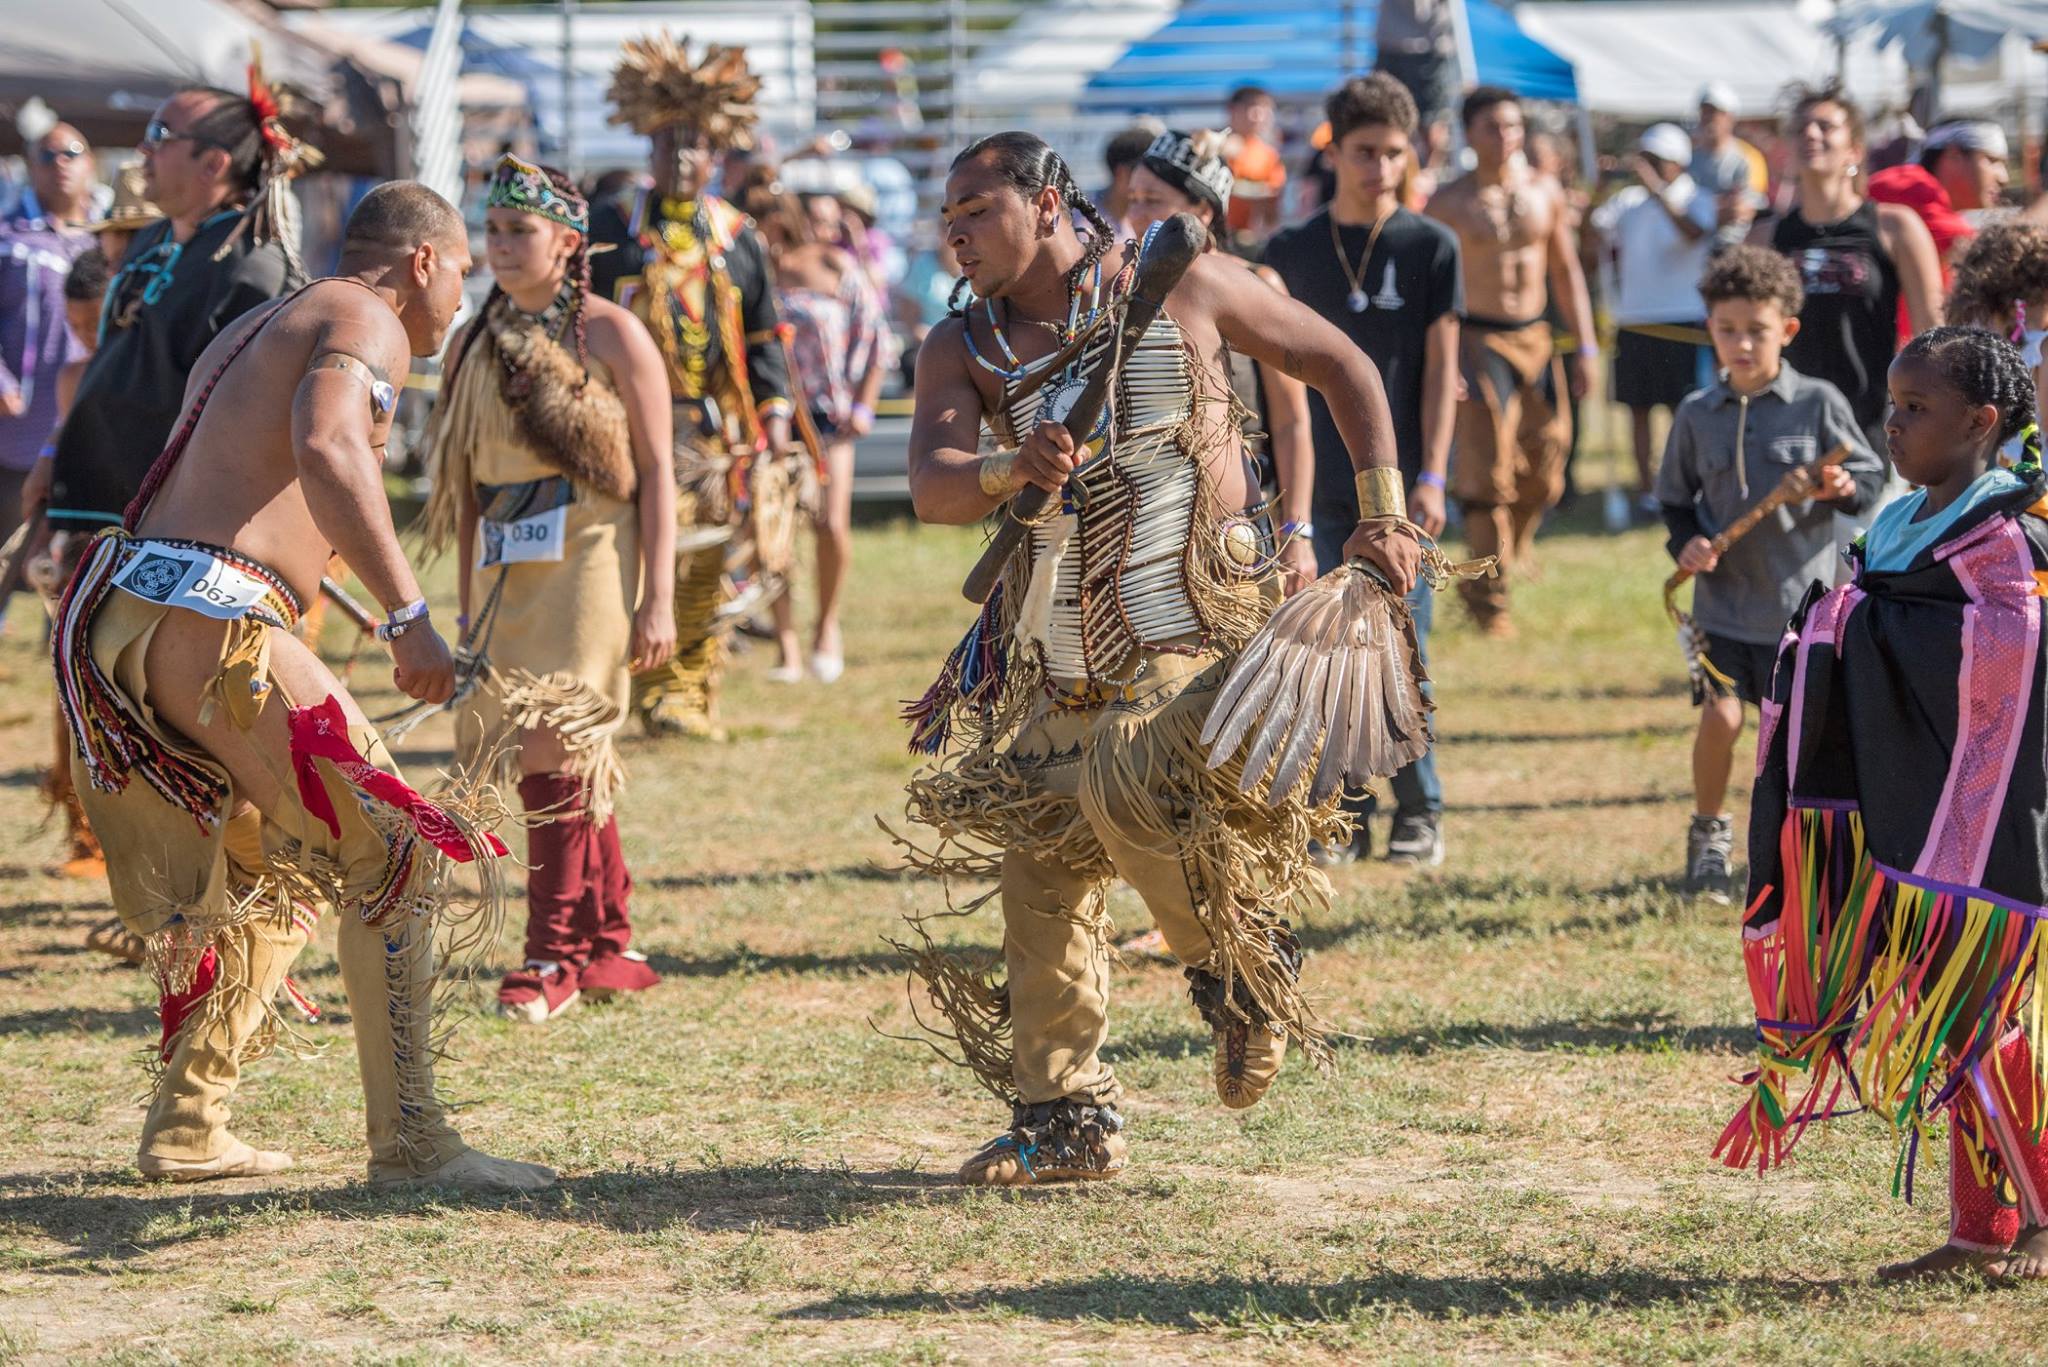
(1510, 1158)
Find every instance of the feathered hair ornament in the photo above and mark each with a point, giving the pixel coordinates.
(655, 86)
(272, 215)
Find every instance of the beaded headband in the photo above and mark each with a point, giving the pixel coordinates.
(521, 185)
(1193, 162)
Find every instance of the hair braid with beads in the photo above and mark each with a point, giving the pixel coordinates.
(577, 276)
(1027, 163)
(1985, 369)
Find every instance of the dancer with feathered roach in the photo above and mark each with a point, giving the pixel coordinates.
(694, 270)
(1069, 724)
(553, 474)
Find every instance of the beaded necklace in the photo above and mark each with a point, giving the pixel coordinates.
(551, 316)
(1076, 321)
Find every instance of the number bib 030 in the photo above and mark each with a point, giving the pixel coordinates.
(523, 523)
(531, 538)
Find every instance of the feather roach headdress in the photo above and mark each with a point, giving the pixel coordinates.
(281, 159)
(655, 86)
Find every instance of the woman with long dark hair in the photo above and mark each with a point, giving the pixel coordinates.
(554, 477)
(837, 332)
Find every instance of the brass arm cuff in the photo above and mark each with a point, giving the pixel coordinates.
(1380, 493)
(995, 474)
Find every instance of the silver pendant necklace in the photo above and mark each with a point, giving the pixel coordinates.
(1356, 300)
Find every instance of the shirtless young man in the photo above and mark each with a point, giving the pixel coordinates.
(1513, 429)
(233, 781)
(1074, 750)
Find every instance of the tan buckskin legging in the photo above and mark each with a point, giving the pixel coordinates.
(170, 880)
(1133, 770)
(1512, 435)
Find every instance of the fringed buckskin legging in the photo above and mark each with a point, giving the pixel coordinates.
(224, 912)
(1131, 797)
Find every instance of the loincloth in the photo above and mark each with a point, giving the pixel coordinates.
(346, 830)
(1513, 424)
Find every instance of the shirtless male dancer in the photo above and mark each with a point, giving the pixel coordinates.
(1513, 429)
(1066, 728)
(264, 790)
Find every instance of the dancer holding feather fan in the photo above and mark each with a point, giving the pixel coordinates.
(1067, 725)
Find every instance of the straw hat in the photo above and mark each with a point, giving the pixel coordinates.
(131, 208)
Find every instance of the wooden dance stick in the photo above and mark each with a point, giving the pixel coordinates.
(1796, 485)
(350, 608)
(1172, 250)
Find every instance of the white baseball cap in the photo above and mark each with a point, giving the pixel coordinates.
(1666, 142)
(1972, 135)
(1721, 96)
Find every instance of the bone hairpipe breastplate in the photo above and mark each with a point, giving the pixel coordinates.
(1118, 559)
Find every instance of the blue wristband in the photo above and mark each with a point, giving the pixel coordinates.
(1430, 478)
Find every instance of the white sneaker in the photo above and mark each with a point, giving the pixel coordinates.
(786, 674)
(827, 668)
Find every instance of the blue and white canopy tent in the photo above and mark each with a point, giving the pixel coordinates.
(1302, 51)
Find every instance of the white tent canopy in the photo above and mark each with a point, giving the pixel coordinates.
(1972, 29)
(1649, 61)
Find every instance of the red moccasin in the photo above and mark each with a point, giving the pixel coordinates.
(614, 973)
(538, 992)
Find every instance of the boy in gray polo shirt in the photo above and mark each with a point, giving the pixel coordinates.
(1731, 444)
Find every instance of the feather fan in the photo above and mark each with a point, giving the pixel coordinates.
(1330, 689)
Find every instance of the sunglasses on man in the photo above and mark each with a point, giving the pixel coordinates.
(159, 133)
(50, 156)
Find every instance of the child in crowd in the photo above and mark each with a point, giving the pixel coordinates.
(1732, 444)
(1898, 866)
(84, 289)
(2001, 284)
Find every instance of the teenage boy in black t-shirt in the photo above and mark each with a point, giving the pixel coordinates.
(1390, 280)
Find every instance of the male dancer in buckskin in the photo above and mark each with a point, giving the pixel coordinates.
(1068, 723)
(234, 783)
(1514, 425)
(696, 273)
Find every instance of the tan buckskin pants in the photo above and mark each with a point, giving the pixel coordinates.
(172, 882)
(1125, 764)
(1512, 438)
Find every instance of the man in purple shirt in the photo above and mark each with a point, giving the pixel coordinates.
(38, 243)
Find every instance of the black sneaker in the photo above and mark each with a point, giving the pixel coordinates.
(1417, 839)
(1709, 845)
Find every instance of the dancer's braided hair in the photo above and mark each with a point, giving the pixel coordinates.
(1985, 369)
(578, 274)
(1028, 164)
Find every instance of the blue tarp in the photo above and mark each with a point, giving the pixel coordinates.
(1214, 45)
